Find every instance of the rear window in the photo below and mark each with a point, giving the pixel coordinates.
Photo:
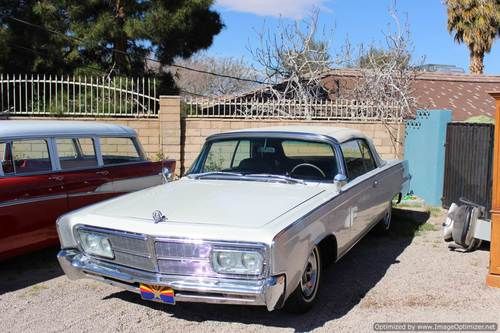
(119, 151)
(299, 149)
(76, 153)
(31, 156)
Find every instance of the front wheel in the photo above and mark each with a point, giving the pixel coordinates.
(304, 296)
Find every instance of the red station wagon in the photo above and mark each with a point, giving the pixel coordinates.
(51, 167)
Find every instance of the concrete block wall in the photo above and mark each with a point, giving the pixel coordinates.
(386, 137)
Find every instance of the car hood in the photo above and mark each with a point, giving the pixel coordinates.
(218, 202)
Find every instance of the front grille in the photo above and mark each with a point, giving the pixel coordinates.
(159, 255)
(133, 244)
(182, 250)
(135, 261)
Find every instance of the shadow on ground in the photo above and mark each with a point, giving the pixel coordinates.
(27, 270)
(343, 286)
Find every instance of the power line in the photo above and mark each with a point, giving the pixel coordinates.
(125, 53)
(17, 46)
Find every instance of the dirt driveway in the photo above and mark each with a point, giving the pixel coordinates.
(409, 275)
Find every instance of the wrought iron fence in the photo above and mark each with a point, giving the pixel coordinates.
(255, 108)
(78, 96)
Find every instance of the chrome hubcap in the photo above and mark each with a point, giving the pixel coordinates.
(310, 275)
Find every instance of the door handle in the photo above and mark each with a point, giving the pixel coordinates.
(103, 173)
(375, 183)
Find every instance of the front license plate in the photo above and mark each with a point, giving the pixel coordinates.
(157, 293)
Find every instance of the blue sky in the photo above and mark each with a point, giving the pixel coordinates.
(362, 21)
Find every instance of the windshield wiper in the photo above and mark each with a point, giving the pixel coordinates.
(215, 173)
(279, 177)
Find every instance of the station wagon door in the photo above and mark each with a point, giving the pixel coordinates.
(32, 197)
(127, 166)
(83, 178)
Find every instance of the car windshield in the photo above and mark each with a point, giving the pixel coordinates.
(268, 158)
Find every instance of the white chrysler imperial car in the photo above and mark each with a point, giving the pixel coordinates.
(254, 221)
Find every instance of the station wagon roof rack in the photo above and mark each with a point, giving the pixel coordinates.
(46, 128)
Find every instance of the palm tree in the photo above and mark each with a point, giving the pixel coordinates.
(475, 23)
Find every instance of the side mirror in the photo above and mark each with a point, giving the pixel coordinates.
(166, 174)
(339, 181)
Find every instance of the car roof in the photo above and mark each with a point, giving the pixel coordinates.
(339, 134)
(46, 128)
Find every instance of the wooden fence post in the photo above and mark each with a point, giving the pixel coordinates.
(493, 279)
(169, 115)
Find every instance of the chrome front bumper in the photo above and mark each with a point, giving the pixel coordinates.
(268, 292)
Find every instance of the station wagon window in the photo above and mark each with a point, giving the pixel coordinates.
(119, 151)
(6, 158)
(31, 156)
(76, 153)
(358, 158)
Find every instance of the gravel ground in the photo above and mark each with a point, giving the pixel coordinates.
(406, 276)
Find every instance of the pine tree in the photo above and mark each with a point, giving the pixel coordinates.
(113, 36)
(30, 49)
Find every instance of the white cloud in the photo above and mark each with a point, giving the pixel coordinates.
(287, 8)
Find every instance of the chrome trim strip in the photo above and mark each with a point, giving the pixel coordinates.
(81, 194)
(32, 200)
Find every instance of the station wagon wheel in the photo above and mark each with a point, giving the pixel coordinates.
(304, 296)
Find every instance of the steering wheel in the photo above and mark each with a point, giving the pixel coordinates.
(301, 165)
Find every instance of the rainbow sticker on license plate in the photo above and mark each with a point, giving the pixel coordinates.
(157, 293)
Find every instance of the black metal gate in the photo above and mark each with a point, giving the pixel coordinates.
(468, 164)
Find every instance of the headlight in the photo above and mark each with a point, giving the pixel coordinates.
(95, 244)
(237, 262)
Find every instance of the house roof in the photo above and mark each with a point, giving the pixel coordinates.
(466, 95)
(45, 128)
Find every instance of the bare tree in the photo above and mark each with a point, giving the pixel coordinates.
(293, 58)
(386, 74)
(230, 75)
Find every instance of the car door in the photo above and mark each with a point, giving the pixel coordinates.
(361, 187)
(381, 192)
(32, 196)
(84, 179)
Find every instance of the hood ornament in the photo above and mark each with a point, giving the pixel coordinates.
(158, 216)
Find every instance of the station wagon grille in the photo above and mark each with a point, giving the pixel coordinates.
(158, 255)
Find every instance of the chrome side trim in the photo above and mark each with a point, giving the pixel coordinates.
(32, 200)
